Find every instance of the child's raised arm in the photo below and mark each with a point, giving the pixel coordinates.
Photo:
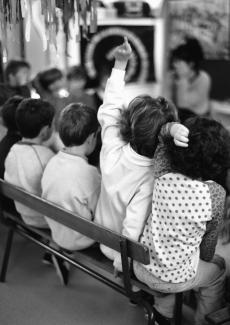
(109, 112)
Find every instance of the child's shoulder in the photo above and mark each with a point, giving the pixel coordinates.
(44, 150)
(92, 170)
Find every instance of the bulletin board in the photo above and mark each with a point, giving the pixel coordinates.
(207, 20)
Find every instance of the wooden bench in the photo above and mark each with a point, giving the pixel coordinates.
(91, 260)
(220, 317)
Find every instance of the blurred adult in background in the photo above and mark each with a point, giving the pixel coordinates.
(189, 84)
(76, 83)
(17, 75)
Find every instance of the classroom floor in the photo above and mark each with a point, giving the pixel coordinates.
(33, 294)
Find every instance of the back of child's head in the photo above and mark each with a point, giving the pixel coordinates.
(48, 77)
(8, 112)
(76, 72)
(13, 66)
(77, 122)
(207, 154)
(141, 122)
(32, 115)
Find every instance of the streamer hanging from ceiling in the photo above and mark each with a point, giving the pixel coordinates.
(82, 12)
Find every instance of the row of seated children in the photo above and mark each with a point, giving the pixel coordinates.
(143, 196)
(51, 84)
(77, 189)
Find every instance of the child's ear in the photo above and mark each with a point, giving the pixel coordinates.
(95, 134)
(45, 132)
(90, 137)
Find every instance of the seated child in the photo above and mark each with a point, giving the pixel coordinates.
(12, 136)
(69, 180)
(187, 210)
(129, 140)
(17, 74)
(27, 159)
(76, 82)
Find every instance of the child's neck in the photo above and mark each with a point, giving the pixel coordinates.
(36, 140)
(79, 151)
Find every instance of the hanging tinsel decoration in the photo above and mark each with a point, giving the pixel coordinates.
(82, 12)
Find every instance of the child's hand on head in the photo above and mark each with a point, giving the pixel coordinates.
(180, 135)
(123, 52)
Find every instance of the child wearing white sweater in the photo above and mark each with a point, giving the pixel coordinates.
(69, 180)
(129, 140)
(27, 159)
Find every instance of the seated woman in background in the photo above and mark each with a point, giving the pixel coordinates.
(189, 85)
(187, 210)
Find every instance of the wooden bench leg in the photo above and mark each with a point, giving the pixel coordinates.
(6, 257)
(178, 308)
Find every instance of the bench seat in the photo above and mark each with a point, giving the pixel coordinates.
(90, 260)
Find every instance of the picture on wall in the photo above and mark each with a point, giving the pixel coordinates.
(207, 20)
(97, 52)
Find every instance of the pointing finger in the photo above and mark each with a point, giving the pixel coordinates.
(126, 39)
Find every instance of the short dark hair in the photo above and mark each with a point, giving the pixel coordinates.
(8, 112)
(13, 66)
(48, 77)
(189, 52)
(141, 122)
(207, 155)
(77, 122)
(76, 72)
(32, 115)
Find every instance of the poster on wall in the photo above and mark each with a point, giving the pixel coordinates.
(207, 20)
(97, 53)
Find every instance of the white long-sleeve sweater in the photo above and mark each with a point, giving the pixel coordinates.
(127, 177)
(70, 182)
(24, 167)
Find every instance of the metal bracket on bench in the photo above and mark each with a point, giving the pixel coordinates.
(126, 267)
(133, 296)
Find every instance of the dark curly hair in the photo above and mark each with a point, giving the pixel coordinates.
(207, 155)
(32, 115)
(190, 52)
(141, 122)
(13, 66)
(48, 77)
(8, 112)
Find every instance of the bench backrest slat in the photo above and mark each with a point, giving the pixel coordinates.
(88, 228)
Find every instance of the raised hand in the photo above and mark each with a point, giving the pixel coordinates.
(122, 54)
